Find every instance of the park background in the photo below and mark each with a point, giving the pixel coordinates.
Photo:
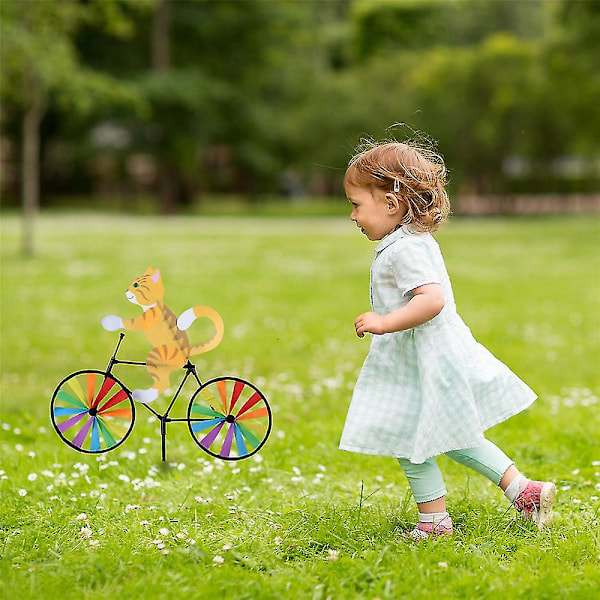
(210, 139)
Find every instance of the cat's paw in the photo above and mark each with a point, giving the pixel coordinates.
(145, 396)
(112, 323)
(185, 319)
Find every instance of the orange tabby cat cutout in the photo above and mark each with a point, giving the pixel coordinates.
(164, 330)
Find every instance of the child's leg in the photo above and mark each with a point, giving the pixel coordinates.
(427, 485)
(426, 482)
(488, 460)
(533, 499)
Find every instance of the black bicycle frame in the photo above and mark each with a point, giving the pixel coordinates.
(190, 370)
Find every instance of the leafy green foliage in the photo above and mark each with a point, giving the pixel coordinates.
(255, 88)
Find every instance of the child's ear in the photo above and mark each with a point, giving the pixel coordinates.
(393, 203)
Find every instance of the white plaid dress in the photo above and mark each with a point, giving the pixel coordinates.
(428, 390)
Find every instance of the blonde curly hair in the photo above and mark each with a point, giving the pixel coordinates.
(415, 174)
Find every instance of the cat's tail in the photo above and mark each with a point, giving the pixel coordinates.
(197, 312)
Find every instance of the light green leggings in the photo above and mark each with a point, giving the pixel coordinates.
(426, 481)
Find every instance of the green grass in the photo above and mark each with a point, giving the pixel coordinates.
(302, 519)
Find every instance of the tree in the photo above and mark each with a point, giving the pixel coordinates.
(40, 68)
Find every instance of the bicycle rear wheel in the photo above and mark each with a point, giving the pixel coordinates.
(229, 418)
(92, 411)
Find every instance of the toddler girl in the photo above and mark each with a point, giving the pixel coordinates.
(426, 387)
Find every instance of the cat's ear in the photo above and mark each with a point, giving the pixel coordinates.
(149, 271)
(155, 276)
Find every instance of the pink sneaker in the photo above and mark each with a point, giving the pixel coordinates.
(424, 531)
(535, 502)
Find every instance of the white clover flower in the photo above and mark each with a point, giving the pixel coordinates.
(226, 547)
(31, 454)
(180, 535)
(86, 532)
(94, 543)
(160, 546)
(191, 541)
(277, 540)
(164, 531)
(17, 431)
(443, 565)
(333, 555)
(218, 560)
(32, 476)
(124, 478)
(166, 551)
(81, 517)
(144, 523)
(22, 493)
(19, 447)
(142, 451)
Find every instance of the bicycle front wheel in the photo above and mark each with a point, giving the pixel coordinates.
(229, 418)
(92, 411)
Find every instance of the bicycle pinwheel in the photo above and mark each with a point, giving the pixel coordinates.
(229, 418)
(92, 411)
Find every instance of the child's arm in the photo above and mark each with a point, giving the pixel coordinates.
(427, 302)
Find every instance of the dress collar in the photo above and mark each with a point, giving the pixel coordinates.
(392, 237)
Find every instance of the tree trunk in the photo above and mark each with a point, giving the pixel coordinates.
(161, 46)
(161, 62)
(30, 167)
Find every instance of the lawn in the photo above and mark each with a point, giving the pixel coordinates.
(301, 519)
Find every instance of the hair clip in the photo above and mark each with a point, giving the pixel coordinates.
(396, 185)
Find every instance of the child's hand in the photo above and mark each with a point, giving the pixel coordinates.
(368, 323)
(112, 323)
